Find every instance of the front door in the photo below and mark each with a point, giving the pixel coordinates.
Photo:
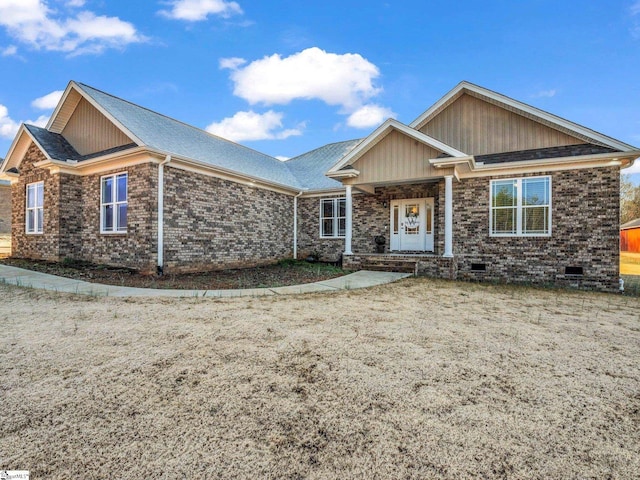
(412, 224)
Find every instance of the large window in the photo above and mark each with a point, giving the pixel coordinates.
(35, 208)
(113, 203)
(333, 214)
(521, 207)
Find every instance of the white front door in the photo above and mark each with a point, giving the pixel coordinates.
(412, 224)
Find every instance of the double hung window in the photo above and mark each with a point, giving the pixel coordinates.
(113, 203)
(333, 214)
(521, 207)
(35, 208)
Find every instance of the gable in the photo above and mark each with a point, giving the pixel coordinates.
(479, 127)
(396, 157)
(89, 131)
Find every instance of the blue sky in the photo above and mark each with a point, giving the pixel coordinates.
(284, 77)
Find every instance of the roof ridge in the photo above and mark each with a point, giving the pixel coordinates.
(177, 121)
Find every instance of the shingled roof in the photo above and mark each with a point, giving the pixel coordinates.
(173, 137)
(310, 168)
(542, 153)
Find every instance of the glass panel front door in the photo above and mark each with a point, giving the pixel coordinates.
(412, 225)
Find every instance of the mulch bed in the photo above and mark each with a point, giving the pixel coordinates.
(278, 275)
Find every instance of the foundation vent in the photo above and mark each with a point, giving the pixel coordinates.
(576, 271)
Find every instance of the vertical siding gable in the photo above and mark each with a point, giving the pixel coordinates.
(478, 127)
(89, 131)
(396, 157)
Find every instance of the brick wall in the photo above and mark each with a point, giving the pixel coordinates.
(212, 223)
(72, 218)
(43, 246)
(370, 219)
(5, 208)
(585, 220)
(309, 241)
(137, 248)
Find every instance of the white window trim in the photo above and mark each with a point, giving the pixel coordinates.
(115, 205)
(336, 221)
(519, 208)
(34, 208)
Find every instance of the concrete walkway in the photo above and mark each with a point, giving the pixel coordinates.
(28, 278)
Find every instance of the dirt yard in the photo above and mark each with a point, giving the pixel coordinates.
(285, 272)
(419, 379)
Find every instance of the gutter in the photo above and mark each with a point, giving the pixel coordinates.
(160, 269)
(479, 166)
(295, 225)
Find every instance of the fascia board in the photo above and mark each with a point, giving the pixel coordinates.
(617, 156)
(63, 99)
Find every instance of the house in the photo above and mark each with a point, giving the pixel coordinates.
(630, 236)
(480, 186)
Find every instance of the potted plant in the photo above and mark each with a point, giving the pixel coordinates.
(380, 243)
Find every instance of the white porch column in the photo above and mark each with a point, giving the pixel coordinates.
(348, 221)
(448, 216)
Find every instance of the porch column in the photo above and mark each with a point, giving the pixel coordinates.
(348, 222)
(448, 216)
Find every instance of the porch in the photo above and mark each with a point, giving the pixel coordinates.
(419, 264)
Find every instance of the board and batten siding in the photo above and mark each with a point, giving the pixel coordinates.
(89, 131)
(396, 158)
(477, 127)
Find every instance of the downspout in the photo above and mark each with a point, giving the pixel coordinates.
(160, 269)
(295, 226)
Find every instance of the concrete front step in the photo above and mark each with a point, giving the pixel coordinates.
(405, 266)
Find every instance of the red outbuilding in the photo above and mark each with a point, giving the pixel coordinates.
(630, 236)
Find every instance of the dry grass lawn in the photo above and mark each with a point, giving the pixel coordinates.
(629, 263)
(419, 379)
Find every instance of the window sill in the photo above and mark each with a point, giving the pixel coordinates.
(113, 233)
(498, 235)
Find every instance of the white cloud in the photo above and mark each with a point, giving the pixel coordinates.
(634, 11)
(253, 126)
(545, 93)
(34, 23)
(9, 127)
(48, 101)
(9, 51)
(231, 63)
(41, 121)
(75, 3)
(282, 158)
(198, 10)
(369, 116)
(345, 80)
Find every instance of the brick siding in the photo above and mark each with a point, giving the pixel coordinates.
(212, 223)
(72, 218)
(585, 219)
(585, 222)
(5, 209)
